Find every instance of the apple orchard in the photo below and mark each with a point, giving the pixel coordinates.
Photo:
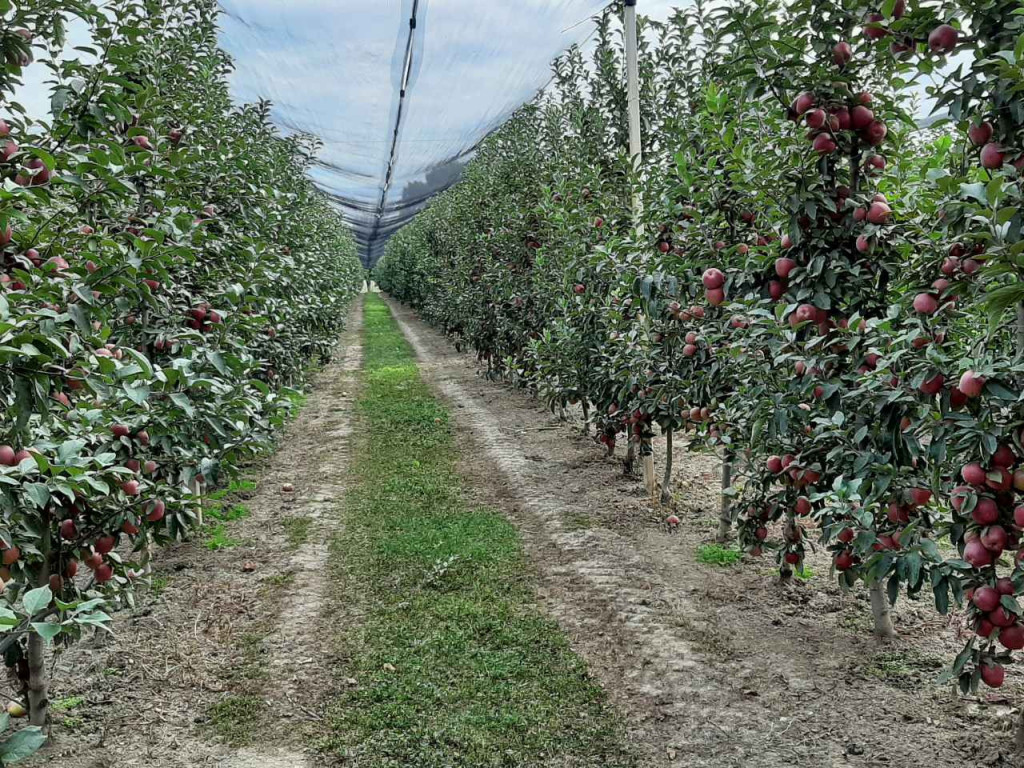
(816, 282)
(814, 272)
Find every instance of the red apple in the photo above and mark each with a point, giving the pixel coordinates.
(920, 496)
(784, 266)
(803, 103)
(842, 53)
(875, 133)
(994, 539)
(973, 474)
(933, 385)
(980, 133)
(976, 554)
(879, 213)
(971, 384)
(992, 156)
(992, 674)
(816, 119)
(861, 117)
(986, 511)
(872, 30)
(105, 544)
(1004, 456)
(1012, 637)
(823, 144)
(713, 278)
(925, 304)
(942, 39)
(985, 598)
(155, 511)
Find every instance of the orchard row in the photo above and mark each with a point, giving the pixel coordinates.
(169, 276)
(810, 283)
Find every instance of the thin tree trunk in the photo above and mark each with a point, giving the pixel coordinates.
(666, 482)
(38, 680)
(586, 416)
(197, 493)
(630, 456)
(880, 611)
(146, 558)
(647, 457)
(725, 509)
(1020, 334)
(785, 569)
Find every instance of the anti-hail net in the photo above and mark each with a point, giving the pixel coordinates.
(399, 91)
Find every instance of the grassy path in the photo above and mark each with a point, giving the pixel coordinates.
(446, 659)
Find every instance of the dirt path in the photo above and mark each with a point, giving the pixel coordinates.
(228, 653)
(712, 666)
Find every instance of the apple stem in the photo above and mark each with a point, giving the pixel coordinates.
(38, 681)
(880, 611)
(725, 510)
(666, 482)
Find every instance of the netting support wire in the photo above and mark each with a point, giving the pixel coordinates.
(406, 74)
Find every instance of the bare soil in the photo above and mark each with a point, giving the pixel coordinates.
(229, 647)
(710, 665)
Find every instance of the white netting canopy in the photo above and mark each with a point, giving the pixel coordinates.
(400, 91)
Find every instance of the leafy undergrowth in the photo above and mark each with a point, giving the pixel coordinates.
(716, 554)
(450, 663)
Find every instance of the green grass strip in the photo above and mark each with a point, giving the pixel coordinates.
(454, 663)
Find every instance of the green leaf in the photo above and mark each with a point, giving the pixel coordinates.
(217, 359)
(181, 400)
(142, 360)
(38, 493)
(977, 191)
(71, 449)
(47, 630)
(22, 744)
(941, 592)
(36, 600)
(138, 393)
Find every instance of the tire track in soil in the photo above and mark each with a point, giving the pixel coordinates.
(698, 684)
(182, 653)
(294, 646)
